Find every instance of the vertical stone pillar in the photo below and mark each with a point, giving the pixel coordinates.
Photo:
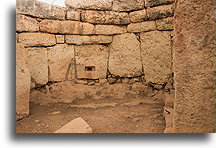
(194, 66)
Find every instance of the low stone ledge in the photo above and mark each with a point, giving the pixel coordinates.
(110, 29)
(142, 27)
(138, 16)
(127, 5)
(151, 3)
(165, 24)
(26, 23)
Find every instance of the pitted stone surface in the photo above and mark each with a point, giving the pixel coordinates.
(127, 5)
(110, 29)
(142, 27)
(165, 24)
(138, 16)
(125, 60)
(150, 3)
(25, 23)
(73, 15)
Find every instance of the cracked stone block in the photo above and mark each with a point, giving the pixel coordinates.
(141, 27)
(91, 61)
(37, 63)
(138, 16)
(60, 57)
(127, 5)
(125, 59)
(110, 29)
(165, 24)
(151, 3)
(26, 23)
(156, 55)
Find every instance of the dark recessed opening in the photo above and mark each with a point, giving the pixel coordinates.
(89, 68)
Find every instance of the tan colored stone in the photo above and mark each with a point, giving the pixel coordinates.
(59, 58)
(77, 125)
(127, 5)
(150, 3)
(105, 17)
(110, 29)
(156, 55)
(138, 16)
(37, 63)
(89, 4)
(91, 61)
(165, 24)
(37, 39)
(40, 9)
(141, 27)
(66, 27)
(23, 80)
(73, 15)
(101, 39)
(124, 59)
(160, 12)
(60, 39)
(25, 23)
(17, 37)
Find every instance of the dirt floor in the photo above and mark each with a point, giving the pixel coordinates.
(143, 114)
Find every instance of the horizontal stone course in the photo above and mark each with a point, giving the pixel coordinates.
(141, 27)
(138, 16)
(127, 5)
(73, 15)
(151, 3)
(165, 24)
(110, 29)
(26, 23)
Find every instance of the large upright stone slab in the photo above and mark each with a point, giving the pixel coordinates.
(194, 66)
(125, 59)
(156, 55)
(23, 80)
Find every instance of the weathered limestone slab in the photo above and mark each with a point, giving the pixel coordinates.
(127, 5)
(73, 15)
(194, 66)
(105, 17)
(25, 23)
(89, 4)
(40, 9)
(141, 27)
(160, 12)
(59, 58)
(66, 27)
(110, 29)
(150, 3)
(37, 63)
(156, 55)
(60, 39)
(91, 61)
(165, 24)
(77, 125)
(138, 16)
(101, 39)
(23, 80)
(37, 39)
(124, 59)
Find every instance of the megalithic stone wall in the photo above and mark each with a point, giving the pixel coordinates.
(194, 66)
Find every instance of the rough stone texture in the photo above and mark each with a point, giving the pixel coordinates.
(79, 40)
(40, 9)
(37, 63)
(37, 39)
(150, 3)
(127, 5)
(194, 66)
(77, 125)
(124, 59)
(165, 24)
(89, 4)
(156, 55)
(66, 27)
(110, 29)
(105, 17)
(141, 27)
(59, 58)
(23, 80)
(160, 12)
(91, 61)
(60, 39)
(73, 15)
(138, 16)
(25, 23)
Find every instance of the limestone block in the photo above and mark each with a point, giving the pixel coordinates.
(141, 27)
(89, 4)
(105, 17)
(60, 39)
(23, 80)
(73, 15)
(59, 58)
(40, 9)
(124, 59)
(150, 3)
(110, 29)
(127, 5)
(37, 39)
(37, 63)
(91, 61)
(77, 125)
(101, 39)
(160, 12)
(156, 55)
(165, 24)
(138, 16)
(25, 23)
(66, 27)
